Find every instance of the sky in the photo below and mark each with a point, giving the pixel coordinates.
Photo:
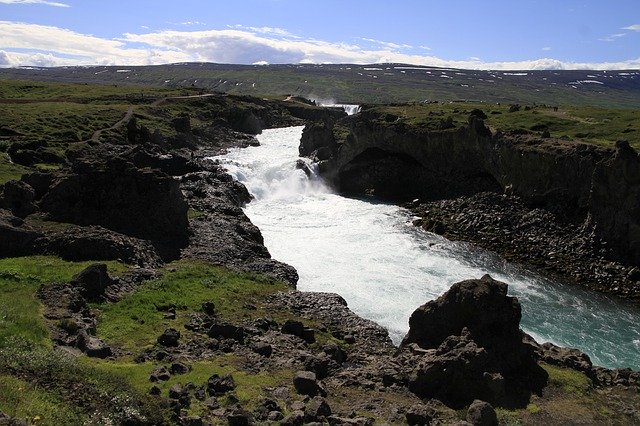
(500, 34)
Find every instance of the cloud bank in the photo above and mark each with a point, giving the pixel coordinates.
(24, 44)
(45, 2)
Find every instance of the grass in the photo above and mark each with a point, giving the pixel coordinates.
(24, 400)
(20, 278)
(60, 122)
(601, 126)
(8, 170)
(570, 381)
(250, 388)
(60, 386)
(137, 320)
(81, 93)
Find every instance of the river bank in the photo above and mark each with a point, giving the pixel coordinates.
(190, 321)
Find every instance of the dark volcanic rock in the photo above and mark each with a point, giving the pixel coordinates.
(317, 409)
(93, 346)
(217, 385)
(306, 383)
(18, 197)
(481, 413)
(115, 194)
(474, 347)
(17, 239)
(482, 306)
(227, 331)
(78, 243)
(419, 414)
(169, 337)
(93, 281)
(296, 328)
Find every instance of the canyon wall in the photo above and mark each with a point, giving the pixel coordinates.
(366, 154)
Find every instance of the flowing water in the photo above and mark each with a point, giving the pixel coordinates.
(369, 253)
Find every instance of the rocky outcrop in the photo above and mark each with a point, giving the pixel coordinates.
(117, 195)
(474, 347)
(615, 202)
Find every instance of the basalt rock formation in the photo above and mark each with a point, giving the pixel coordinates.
(474, 347)
(595, 188)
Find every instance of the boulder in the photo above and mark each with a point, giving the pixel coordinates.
(169, 337)
(92, 346)
(18, 196)
(419, 414)
(481, 413)
(160, 374)
(179, 368)
(93, 281)
(472, 347)
(482, 306)
(226, 331)
(209, 308)
(262, 348)
(306, 383)
(295, 418)
(217, 385)
(317, 409)
(296, 328)
(17, 240)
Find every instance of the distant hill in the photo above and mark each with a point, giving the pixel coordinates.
(380, 83)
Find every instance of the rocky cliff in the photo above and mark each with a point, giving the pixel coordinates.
(383, 156)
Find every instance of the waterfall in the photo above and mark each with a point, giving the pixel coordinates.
(372, 256)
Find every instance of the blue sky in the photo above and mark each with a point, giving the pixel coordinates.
(520, 34)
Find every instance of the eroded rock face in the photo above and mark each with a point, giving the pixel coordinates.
(615, 202)
(474, 347)
(115, 194)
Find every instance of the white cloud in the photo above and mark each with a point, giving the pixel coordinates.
(387, 44)
(613, 37)
(424, 47)
(57, 46)
(634, 27)
(273, 31)
(189, 23)
(546, 48)
(45, 2)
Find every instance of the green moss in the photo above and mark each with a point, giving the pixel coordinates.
(136, 321)
(533, 408)
(20, 278)
(508, 417)
(571, 381)
(195, 214)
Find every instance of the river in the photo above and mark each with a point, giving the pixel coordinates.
(369, 253)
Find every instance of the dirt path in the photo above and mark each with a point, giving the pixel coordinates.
(96, 135)
(567, 116)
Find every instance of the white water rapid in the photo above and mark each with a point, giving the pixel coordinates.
(385, 268)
